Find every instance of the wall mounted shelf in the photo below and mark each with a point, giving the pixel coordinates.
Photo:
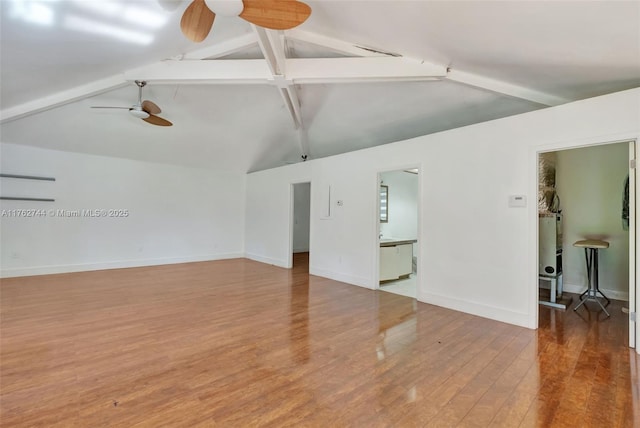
(12, 198)
(26, 177)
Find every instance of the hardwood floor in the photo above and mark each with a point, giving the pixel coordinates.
(239, 343)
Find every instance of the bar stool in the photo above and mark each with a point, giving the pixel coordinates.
(591, 247)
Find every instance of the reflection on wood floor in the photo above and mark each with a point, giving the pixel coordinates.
(240, 343)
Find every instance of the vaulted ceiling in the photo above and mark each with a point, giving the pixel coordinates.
(356, 74)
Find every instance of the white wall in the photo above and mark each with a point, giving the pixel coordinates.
(590, 183)
(176, 214)
(403, 205)
(301, 213)
(268, 214)
(477, 254)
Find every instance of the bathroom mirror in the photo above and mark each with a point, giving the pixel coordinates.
(384, 204)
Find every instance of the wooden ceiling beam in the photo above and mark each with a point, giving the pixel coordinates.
(361, 65)
(365, 69)
(504, 88)
(273, 48)
(61, 98)
(297, 70)
(290, 71)
(469, 79)
(243, 71)
(336, 45)
(222, 49)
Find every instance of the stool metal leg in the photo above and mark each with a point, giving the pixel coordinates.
(605, 311)
(588, 256)
(597, 282)
(588, 263)
(582, 300)
(591, 258)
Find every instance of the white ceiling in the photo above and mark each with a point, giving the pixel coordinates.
(501, 55)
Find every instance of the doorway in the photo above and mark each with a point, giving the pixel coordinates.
(301, 222)
(590, 196)
(398, 214)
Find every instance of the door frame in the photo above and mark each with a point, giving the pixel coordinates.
(634, 297)
(376, 192)
(292, 220)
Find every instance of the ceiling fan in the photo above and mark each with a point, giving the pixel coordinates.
(145, 110)
(198, 18)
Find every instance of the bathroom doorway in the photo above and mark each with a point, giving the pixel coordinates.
(398, 247)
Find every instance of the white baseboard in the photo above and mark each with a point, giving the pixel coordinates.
(338, 276)
(267, 260)
(491, 312)
(83, 267)
(612, 294)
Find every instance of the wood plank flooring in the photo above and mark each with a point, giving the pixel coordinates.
(237, 343)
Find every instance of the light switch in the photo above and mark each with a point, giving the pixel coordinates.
(517, 201)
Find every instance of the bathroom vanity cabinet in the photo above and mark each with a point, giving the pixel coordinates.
(396, 258)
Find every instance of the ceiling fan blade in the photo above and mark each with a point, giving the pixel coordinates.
(150, 107)
(275, 14)
(157, 120)
(126, 108)
(197, 21)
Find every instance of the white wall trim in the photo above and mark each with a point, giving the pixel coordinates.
(85, 267)
(267, 260)
(338, 276)
(518, 318)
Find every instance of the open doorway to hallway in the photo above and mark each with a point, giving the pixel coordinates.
(398, 231)
(300, 233)
(586, 238)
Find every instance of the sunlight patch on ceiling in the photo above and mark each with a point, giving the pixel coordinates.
(139, 16)
(108, 8)
(33, 12)
(118, 19)
(78, 23)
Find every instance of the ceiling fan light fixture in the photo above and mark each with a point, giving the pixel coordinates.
(225, 7)
(138, 112)
(169, 5)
